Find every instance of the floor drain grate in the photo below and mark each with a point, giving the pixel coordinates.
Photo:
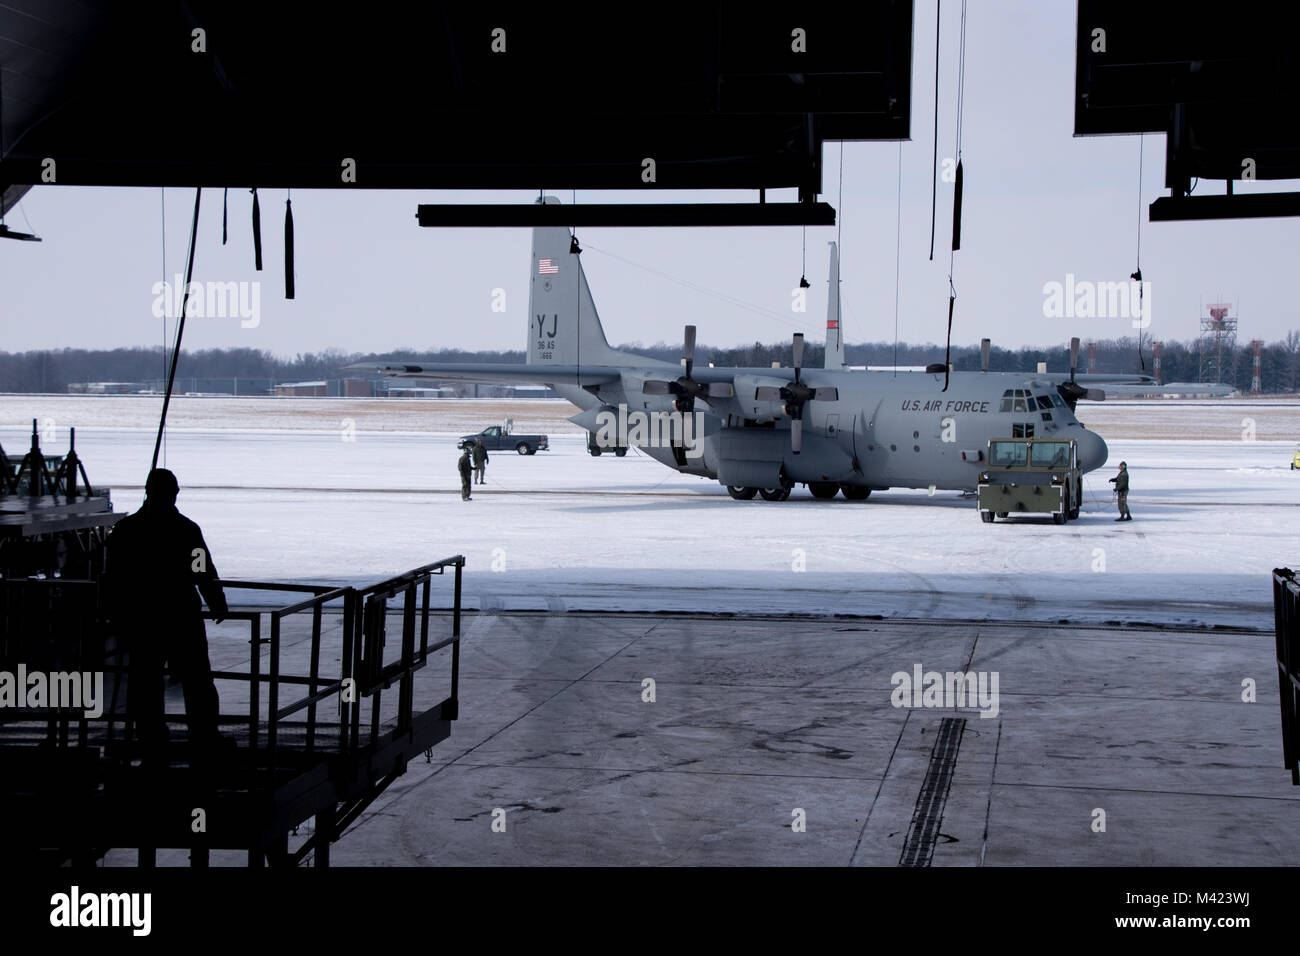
(918, 849)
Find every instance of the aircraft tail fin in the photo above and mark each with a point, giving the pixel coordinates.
(834, 325)
(563, 326)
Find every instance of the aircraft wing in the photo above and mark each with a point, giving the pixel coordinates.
(496, 373)
(1101, 378)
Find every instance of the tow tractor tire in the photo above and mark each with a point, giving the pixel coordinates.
(595, 452)
(856, 492)
(620, 452)
(522, 448)
(823, 489)
(741, 493)
(986, 517)
(1058, 518)
(774, 494)
(1002, 514)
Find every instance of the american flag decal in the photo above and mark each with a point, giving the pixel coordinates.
(832, 323)
(547, 267)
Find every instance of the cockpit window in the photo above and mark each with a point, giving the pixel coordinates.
(1008, 454)
(1043, 401)
(1057, 400)
(1006, 405)
(1050, 454)
(1018, 405)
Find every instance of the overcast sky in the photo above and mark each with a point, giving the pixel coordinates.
(1039, 204)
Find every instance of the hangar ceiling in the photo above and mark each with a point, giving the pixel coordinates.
(420, 96)
(1220, 82)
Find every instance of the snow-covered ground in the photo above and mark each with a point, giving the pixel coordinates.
(563, 530)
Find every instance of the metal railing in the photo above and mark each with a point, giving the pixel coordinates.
(32, 612)
(1286, 610)
(363, 672)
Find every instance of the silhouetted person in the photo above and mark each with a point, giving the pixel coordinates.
(156, 559)
(463, 466)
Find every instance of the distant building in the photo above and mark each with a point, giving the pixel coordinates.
(103, 388)
(420, 391)
(357, 388)
(302, 389)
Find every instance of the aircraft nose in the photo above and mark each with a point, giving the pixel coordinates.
(1092, 450)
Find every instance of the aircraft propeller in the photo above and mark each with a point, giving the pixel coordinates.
(795, 395)
(1072, 391)
(685, 388)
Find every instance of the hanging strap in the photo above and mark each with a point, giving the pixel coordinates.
(288, 249)
(257, 232)
(180, 329)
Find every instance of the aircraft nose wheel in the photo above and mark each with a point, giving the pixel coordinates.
(741, 494)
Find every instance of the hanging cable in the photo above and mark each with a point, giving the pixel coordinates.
(162, 213)
(934, 167)
(1137, 275)
(898, 244)
(180, 329)
(839, 218)
(224, 232)
(803, 266)
(704, 290)
(956, 197)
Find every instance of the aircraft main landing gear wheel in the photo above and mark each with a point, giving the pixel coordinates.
(741, 493)
(856, 492)
(986, 517)
(620, 452)
(823, 489)
(774, 494)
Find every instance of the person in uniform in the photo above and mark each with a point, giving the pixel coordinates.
(1121, 492)
(156, 559)
(464, 467)
(480, 461)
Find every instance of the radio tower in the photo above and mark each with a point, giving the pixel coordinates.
(1156, 348)
(1218, 343)
(1256, 380)
(1092, 357)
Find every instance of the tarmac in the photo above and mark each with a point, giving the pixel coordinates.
(612, 739)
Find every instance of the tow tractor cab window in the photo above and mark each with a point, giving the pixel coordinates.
(1008, 454)
(1050, 454)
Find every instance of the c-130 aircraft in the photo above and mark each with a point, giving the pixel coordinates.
(766, 430)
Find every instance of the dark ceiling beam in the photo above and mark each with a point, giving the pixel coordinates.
(1253, 206)
(629, 215)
